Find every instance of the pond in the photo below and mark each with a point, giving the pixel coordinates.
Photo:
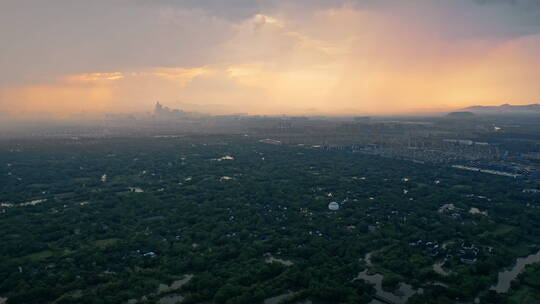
(277, 299)
(171, 299)
(270, 259)
(162, 288)
(437, 267)
(400, 296)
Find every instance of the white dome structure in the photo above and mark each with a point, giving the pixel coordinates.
(333, 206)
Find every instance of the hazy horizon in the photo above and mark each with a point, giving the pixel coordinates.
(346, 57)
(198, 110)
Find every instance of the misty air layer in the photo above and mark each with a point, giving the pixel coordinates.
(272, 152)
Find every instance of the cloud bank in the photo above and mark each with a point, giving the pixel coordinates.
(267, 57)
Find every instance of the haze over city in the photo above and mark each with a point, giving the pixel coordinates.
(61, 58)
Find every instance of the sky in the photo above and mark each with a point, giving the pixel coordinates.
(298, 57)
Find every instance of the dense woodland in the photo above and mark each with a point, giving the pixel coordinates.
(109, 220)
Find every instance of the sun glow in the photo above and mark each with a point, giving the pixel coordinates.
(332, 61)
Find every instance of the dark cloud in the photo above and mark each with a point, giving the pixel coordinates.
(230, 9)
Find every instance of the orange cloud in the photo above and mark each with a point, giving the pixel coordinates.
(57, 99)
(92, 77)
(336, 61)
(100, 92)
(179, 75)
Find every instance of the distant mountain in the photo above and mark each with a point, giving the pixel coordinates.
(505, 109)
(461, 115)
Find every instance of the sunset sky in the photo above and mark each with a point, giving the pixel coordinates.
(267, 57)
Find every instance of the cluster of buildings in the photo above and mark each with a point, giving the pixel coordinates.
(432, 248)
(467, 253)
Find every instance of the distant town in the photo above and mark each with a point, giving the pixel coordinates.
(489, 140)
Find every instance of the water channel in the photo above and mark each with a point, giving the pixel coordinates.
(506, 277)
